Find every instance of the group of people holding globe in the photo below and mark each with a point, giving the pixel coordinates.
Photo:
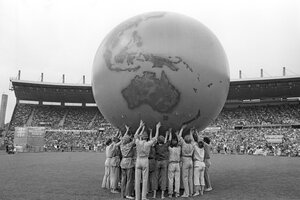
(145, 162)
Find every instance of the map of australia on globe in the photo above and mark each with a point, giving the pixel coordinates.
(149, 69)
(160, 94)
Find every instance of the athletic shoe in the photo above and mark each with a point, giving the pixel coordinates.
(177, 195)
(129, 197)
(184, 195)
(196, 194)
(114, 191)
(170, 196)
(208, 189)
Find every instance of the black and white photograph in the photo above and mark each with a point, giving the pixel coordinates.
(149, 99)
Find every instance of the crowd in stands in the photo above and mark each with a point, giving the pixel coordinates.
(89, 118)
(21, 115)
(258, 115)
(61, 140)
(247, 141)
(48, 115)
(80, 118)
(77, 140)
(99, 120)
(58, 119)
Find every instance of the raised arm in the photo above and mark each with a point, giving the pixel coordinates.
(198, 134)
(119, 143)
(120, 134)
(166, 136)
(192, 135)
(137, 132)
(116, 134)
(158, 125)
(150, 132)
(170, 135)
(127, 130)
(176, 133)
(142, 131)
(181, 130)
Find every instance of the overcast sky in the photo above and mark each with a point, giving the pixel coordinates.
(61, 36)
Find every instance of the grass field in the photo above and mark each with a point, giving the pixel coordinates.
(77, 175)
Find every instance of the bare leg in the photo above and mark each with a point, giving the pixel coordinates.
(163, 194)
(154, 193)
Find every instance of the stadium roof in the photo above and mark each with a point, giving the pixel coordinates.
(243, 89)
(264, 88)
(52, 92)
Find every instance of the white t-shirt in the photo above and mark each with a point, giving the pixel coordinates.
(198, 155)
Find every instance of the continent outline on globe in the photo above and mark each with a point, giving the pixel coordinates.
(125, 57)
(150, 73)
(147, 89)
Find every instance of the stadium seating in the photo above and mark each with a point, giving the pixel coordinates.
(71, 126)
(21, 115)
(54, 117)
(258, 115)
(79, 118)
(246, 141)
(48, 116)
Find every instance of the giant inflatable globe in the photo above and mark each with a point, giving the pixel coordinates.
(160, 67)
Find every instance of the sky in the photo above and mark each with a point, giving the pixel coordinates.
(58, 37)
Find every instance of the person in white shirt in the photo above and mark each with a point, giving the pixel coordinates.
(108, 153)
(187, 151)
(174, 167)
(142, 162)
(199, 165)
(115, 163)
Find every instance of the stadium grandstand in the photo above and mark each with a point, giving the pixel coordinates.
(262, 113)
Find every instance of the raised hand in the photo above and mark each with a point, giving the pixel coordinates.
(181, 130)
(158, 125)
(143, 128)
(192, 130)
(150, 132)
(170, 132)
(137, 132)
(127, 130)
(142, 123)
(167, 135)
(183, 126)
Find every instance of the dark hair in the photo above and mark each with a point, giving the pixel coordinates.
(206, 140)
(201, 142)
(108, 142)
(116, 139)
(195, 136)
(175, 139)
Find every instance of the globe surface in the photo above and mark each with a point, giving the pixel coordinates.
(163, 67)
